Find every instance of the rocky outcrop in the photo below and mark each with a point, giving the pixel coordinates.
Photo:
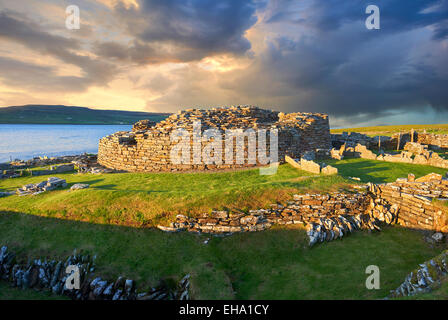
(149, 150)
(51, 275)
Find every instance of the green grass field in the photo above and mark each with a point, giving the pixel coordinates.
(112, 215)
(274, 264)
(144, 199)
(140, 199)
(390, 130)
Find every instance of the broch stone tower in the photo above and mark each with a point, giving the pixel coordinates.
(148, 146)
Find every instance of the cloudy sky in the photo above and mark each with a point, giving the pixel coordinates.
(288, 55)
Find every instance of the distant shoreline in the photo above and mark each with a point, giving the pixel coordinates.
(73, 115)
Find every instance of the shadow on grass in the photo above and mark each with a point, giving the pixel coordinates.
(360, 170)
(272, 264)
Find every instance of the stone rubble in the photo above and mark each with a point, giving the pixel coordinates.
(330, 216)
(413, 153)
(425, 278)
(327, 217)
(51, 275)
(433, 141)
(351, 139)
(79, 186)
(143, 125)
(50, 184)
(53, 170)
(89, 164)
(18, 168)
(311, 166)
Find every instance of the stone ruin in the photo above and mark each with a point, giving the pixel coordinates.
(50, 276)
(395, 141)
(409, 202)
(148, 146)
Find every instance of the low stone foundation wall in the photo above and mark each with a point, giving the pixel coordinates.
(330, 216)
(431, 139)
(311, 166)
(53, 170)
(303, 209)
(414, 153)
(326, 217)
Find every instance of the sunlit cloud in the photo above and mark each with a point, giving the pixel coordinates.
(155, 55)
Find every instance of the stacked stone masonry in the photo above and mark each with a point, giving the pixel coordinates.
(414, 153)
(415, 201)
(408, 202)
(149, 150)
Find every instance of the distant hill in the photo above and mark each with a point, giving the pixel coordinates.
(59, 114)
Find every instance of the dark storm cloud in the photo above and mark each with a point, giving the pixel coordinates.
(336, 65)
(178, 30)
(328, 15)
(17, 28)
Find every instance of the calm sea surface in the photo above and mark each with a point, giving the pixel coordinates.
(25, 141)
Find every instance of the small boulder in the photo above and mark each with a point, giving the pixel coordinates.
(79, 186)
(437, 237)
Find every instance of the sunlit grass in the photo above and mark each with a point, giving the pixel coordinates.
(389, 130)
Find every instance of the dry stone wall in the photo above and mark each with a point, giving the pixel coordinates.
(408, 202)
(327, 217)
(414, 153)
(415, 201)
(149, 150)
(431, 139)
